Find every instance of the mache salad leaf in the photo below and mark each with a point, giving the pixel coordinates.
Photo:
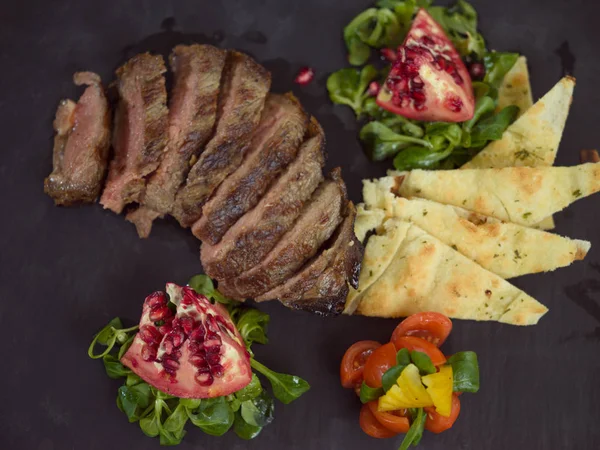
(161, 415)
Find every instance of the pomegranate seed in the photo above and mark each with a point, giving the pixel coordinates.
(389, 54)
(159, 312)
(187, 323)
(212, 341)
(373, 88)
(204, 379)
(198, 361)
(213, 358)
(199, 333)
(164, 329)
(155, 299)
(188, 296)
(211, 324)
(217, 370)
(454, 104)
(195, 347)
(148, 353)
(170, 364)
(477, 70)
(168, 344)
(177, 336)
(305, 76)
(150, 335)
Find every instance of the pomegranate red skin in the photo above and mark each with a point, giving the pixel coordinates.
(198, 354)
(428, 81)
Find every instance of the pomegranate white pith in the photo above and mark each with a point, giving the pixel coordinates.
(195, 353)
(428, 80)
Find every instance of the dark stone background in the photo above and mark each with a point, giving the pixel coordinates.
(65, 272)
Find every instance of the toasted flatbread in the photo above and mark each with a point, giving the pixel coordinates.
(534, 137)
(522, 195)
(516, 88)
(427, 275)
(367, 220)
(506, 249)
(379, 252)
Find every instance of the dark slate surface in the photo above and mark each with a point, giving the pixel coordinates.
(65, 272)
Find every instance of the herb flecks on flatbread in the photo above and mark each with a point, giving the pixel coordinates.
(522, 195)
(534, 138)
(428, 275)
(506, 249)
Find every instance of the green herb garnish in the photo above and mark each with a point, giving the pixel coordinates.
(161, 415)
(413, 144)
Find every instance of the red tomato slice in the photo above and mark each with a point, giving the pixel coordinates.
(421, 345)
(431, 326)
(437, 423)
(378, 363)
(395, 421)
(353, 362)
(371, 426)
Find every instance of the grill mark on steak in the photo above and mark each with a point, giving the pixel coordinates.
(320, 285)
(81, 145)
(252, 237)
(140, 133)
(274, 145)
(242, 98)
(192, 113)
(317, 222)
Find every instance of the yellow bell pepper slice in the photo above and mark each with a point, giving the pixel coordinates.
(439, 388)
(408, 392)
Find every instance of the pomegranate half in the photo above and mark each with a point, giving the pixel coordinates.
(428, 80)
(192, 352)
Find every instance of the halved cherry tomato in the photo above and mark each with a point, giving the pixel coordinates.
(421, 345)
(431, 326)
(378, 363)
(353, 362)
(371, 426)
(395, 421)
(437, 423)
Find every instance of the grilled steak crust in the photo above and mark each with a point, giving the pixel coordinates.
(81, 145)
(320, 285)
(245, 86)
(192, 113)
(140, 133)
(317, 222)
(274, 146)
(252, 237)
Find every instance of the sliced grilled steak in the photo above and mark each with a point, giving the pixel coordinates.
(317, 222)
(320, 285)
(140, 133)
(328, 294)
(81, 145)
(241, 101)
(274, 145)
(258, 231)
(192, 112)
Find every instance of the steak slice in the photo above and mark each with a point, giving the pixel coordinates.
(328, 294)
(321, 286)
(140, 133)
(81, 145)
(274, 146)
(245, 86)
(192, 113)
(252, 237)
(317, 222)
